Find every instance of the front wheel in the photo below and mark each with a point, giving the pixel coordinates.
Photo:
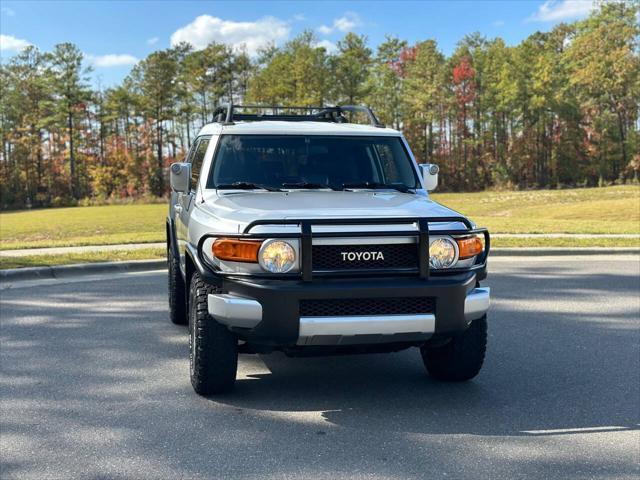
(213, 349)
(461, 358)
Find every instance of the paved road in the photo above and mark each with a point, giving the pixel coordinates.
(95, 385)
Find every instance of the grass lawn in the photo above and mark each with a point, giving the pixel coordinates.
(588, 210)
(85, 257)
(594, 210)
(103, 225)
(565, 242)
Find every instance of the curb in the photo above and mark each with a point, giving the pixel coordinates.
(65, 271)
(559, 251)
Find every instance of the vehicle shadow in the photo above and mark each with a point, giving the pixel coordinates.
(549, 369)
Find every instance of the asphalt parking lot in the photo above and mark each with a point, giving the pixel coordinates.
(94, 384)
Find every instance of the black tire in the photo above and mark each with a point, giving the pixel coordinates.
(461, 358)
(177, 300)
(213, 349)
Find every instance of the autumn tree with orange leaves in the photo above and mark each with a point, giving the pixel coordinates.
(559, 109)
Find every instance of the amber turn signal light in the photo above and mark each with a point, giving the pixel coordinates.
(469, 247)
(236, 250)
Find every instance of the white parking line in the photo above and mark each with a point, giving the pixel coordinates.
(560, 431)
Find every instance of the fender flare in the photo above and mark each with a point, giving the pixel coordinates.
(193, 263)
(171, 238)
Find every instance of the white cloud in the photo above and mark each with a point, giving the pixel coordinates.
(152, 40)
(252, 35)
(558, 10)
(112, 60)
(9, 43)
(330, 47)
(498, 23)
(346, 23)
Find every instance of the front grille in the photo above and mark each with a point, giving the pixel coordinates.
(345, 307)
(373, 257)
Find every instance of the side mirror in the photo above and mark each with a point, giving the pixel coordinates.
(180, 177)
(429, 175)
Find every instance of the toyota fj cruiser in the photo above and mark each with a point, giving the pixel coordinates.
(295, 229)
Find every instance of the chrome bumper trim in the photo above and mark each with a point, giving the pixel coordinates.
(311, 327)
(235, 311)
(477, 303)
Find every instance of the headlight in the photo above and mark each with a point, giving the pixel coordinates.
(442, 253)
(277, 256)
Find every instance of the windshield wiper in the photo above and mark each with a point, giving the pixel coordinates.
(377, 186)
(246, 186)
(306, 185)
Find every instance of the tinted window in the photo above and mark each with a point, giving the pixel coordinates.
(196, 157)
(324, 160)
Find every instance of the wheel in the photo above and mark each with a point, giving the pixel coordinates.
(177, 300)
(461, 358)
(213, 349)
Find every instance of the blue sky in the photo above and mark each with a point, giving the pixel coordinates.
(115, 34)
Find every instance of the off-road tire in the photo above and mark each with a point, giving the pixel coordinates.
(461, 358)
(213, 349)
(177, 294)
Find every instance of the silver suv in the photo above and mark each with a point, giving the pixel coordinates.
(293, 229)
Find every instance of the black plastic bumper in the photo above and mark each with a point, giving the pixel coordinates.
(280, 300)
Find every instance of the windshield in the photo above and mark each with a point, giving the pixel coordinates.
(312, 161)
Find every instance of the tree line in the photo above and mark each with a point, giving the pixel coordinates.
(559, 109)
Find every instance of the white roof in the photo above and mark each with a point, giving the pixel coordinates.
(278, 127)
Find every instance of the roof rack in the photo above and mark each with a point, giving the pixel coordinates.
(226, 114)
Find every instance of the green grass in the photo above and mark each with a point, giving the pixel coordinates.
(565, 242)
(103, 225)
(85, 257)
(594, 210)
(589, 210)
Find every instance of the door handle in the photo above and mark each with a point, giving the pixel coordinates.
(178, 208)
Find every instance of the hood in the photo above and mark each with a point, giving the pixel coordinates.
(242, 208)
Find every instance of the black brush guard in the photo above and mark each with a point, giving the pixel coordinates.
(306, 237)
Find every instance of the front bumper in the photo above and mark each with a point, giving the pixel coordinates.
(267, 312)
(350, 329)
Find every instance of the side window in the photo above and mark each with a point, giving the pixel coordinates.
(192, 148)
(197, 157)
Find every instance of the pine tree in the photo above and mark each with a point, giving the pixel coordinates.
(72, 91)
